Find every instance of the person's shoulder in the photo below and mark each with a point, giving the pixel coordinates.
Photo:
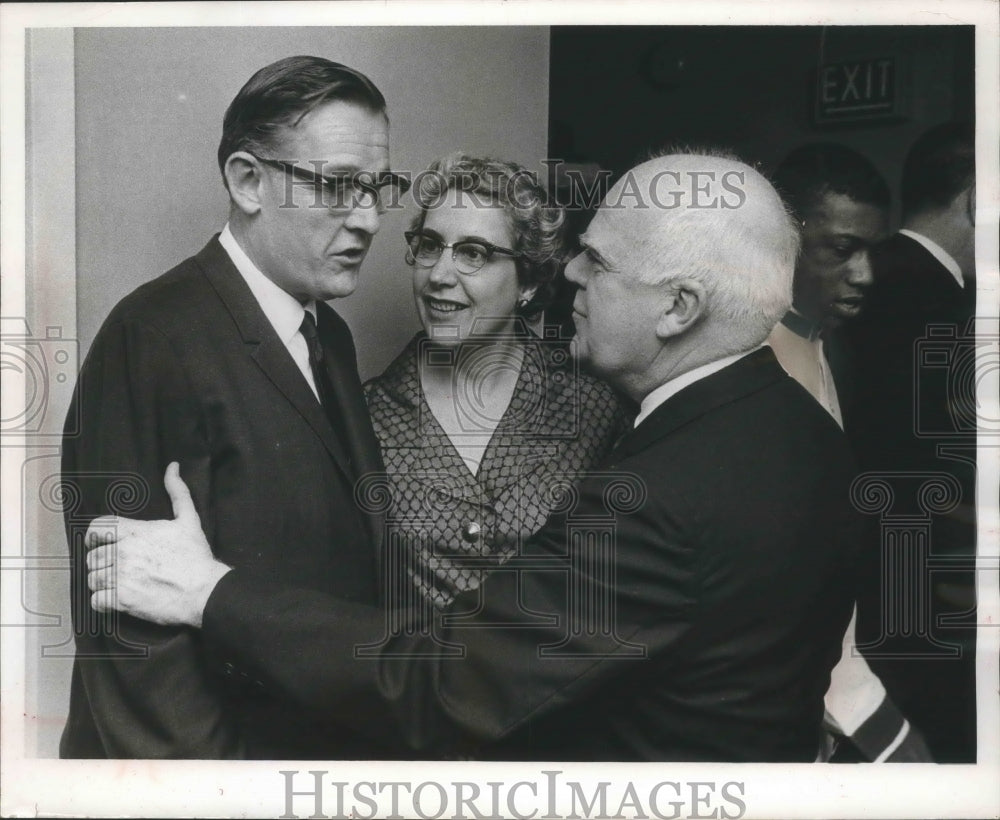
(908, 280)
(170, 301)
(748, 406)
(900, 262)
(395, 384)
(568, 395)
(595, 392)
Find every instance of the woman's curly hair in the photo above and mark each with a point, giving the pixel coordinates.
(538, 228)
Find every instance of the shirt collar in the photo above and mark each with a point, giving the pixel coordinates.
(939, 253)
(800, 325)
(283, 311)
(674, 386)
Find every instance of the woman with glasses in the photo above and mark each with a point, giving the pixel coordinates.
(483, 424)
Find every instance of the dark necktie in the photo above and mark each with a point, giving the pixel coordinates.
(324, 387)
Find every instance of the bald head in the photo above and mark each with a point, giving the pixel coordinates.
(713, 217)
(708, 245)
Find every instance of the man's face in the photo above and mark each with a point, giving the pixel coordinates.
(615, 314)
(834, 272)
(308, 250)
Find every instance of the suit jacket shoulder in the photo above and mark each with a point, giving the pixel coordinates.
(193, 296)
(911, 283)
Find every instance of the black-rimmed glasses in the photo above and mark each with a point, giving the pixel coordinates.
(469, 256)
(343, 192)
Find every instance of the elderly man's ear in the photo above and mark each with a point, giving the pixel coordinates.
(244, 180)
(683, 306)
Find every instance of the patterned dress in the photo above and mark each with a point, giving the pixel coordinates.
(448, 527)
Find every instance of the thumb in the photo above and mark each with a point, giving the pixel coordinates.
(180, 497)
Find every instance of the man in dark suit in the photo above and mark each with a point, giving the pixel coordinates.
(698, 585)
(913, 421)
(842, 204)
(233, 362)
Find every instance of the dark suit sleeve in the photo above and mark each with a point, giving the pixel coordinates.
(307, 646)
(148, 688)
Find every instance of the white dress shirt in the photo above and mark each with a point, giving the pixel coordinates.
(283, 311)
(803, 359)
(674, 386)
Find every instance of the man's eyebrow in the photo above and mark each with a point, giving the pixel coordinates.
(593, 252)
(329, 168)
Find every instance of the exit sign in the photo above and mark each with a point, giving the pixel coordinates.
(858, 91)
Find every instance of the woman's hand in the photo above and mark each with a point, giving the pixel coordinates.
(159, 571)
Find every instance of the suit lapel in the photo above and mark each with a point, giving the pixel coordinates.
(753, 372)
(363, 450)
(362, 445)
(266, 349)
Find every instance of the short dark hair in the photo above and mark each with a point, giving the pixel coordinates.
(282, 93)
(939, 166)
(812, 171)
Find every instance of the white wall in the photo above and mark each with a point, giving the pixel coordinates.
(140, 112)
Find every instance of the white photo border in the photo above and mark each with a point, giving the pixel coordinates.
(227, 789)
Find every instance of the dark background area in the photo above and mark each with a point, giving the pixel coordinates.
(617, 93)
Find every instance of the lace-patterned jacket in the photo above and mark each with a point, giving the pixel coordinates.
(446, 526)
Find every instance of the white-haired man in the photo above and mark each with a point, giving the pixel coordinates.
(698, 585)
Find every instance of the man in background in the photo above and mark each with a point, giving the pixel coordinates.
(233, 363)
(841, 203)
(914, 422)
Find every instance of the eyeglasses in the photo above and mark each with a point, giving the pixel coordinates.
(469, 257)
(343, 192)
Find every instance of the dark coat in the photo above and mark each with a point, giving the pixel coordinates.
(710, 568)
(188, 368)
(900, 399)
(913, 419)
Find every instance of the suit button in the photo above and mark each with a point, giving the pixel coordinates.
(471, 532)
(228, 668)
